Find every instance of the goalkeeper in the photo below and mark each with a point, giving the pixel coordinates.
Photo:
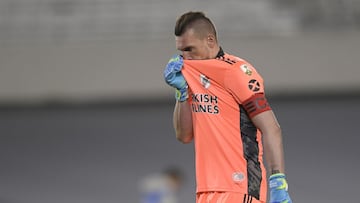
(221, 105)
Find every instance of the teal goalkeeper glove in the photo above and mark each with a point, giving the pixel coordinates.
(279, 189)
(174, 77)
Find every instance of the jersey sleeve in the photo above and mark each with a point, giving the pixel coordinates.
(243, 82)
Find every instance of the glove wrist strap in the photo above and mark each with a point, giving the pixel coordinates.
(277, 175)
(181, 94)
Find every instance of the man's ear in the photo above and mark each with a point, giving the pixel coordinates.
(211, 40)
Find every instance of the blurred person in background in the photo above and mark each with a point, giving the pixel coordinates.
(162, 187)
(221, 105)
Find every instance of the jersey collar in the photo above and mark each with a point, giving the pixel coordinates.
(220, 53)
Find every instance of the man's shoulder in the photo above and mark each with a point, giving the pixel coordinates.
(233, 60)
(231, 57)
(239, 65)
(237, 58)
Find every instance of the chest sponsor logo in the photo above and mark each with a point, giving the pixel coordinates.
(205, 103)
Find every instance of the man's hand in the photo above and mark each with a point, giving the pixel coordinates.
(174, 78)
(279, 189)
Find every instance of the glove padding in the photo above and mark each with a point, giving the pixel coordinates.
(279, 189)
(174, 77)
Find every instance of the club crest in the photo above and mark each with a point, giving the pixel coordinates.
(205, 81)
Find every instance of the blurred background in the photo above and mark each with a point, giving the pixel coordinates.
(85, 113)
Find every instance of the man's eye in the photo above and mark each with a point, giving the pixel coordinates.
(187, 49)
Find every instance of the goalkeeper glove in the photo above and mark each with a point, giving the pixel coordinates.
(279, 189)
(174, 77)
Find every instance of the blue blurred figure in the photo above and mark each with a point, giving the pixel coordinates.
(162, 187)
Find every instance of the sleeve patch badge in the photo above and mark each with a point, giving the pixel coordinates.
(254, 85)
(246, 69)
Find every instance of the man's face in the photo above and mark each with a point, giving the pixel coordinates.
(192, 47)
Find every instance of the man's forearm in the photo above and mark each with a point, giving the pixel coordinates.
(274, 153)
(182, 121)
(272, 141)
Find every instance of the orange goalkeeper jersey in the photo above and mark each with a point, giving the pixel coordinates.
(228, 147)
